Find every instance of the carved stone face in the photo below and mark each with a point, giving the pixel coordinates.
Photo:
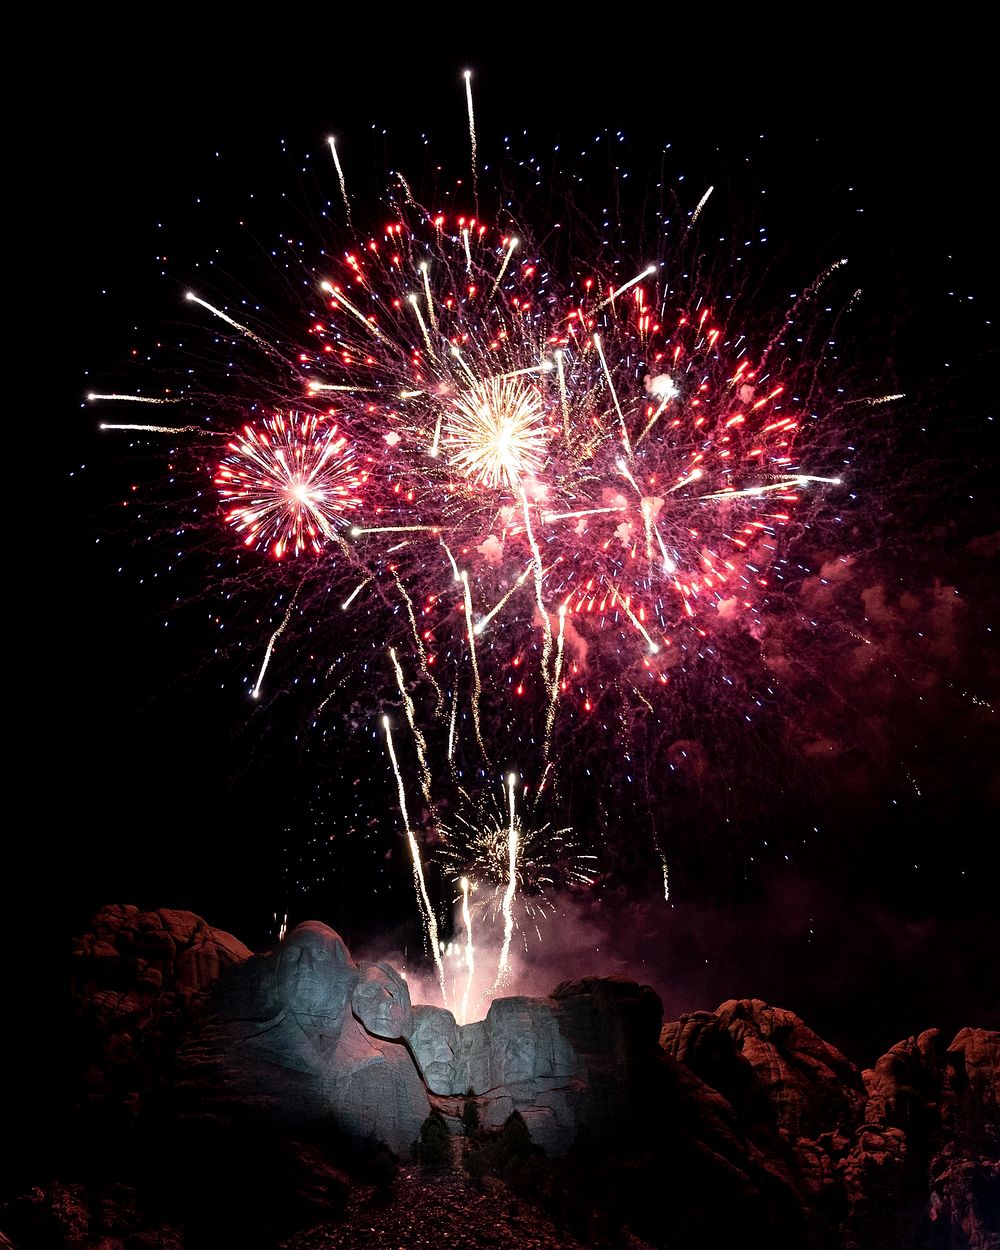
(315, 974)
(382, 1002)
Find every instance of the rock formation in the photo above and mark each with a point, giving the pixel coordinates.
(742, 1116)
(315, 1036)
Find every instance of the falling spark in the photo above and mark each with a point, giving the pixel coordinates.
(228, 320)
(539, 574)
(484, 621)
(451, 561)
(414, 301)
(804, 298)
(451, 725)
(503, 268)
(503, 965)
(355, 312)
(472, 136)
(255, 692)
(340, 175)
(550, 718)
(477, 685)
(614, 393)
(93, 397)
(427, 295)
(646, 273)
(423, 900)
(875, 402)
(354, 593)
(165, 429)
(563, 398)
(470, 954)
(698, 207)
(418, 735)
(319, 387)
(418, 642)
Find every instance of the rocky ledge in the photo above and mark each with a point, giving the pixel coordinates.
(303, 1064)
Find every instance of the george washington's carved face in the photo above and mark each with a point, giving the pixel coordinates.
(315, 974)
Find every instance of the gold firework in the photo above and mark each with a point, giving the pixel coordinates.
(497, 433)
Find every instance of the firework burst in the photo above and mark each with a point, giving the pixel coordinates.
(288, 483)
(560, 481)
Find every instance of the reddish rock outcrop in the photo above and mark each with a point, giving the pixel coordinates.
(742, 1124)
(137, 978)
(811, 1086)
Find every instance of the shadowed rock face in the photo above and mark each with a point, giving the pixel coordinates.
(318, 1036)
(743, 1113)
(313, 1036)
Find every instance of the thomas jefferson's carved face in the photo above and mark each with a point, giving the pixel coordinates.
(382, 1002)
(315, 973)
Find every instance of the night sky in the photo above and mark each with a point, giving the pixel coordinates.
(858, 893)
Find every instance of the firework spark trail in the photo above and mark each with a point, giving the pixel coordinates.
(418, 735)
(357, 530)
(653, 646)
(354, 593)
(788, 483)
(539, 574)
(420, 885)
(550, 718)
(427, 295)
(563, 397)
(503, 268)
(472, 138)
(666, 877)
(165, 429)
(614, 395)
(93, 397)
(698, 207)
(414, 301)
(610, 299)
(477, 685)
(355, 312)
(874, 402)
(451, 725)
(804, 298)
(655, 417)
(340, 175)
(451, 561)
(507, 906)
(482, 623)
(255, 338)
(255, 692)
(470, 953)
(421, 650)
(318, 388)
(436, 444)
